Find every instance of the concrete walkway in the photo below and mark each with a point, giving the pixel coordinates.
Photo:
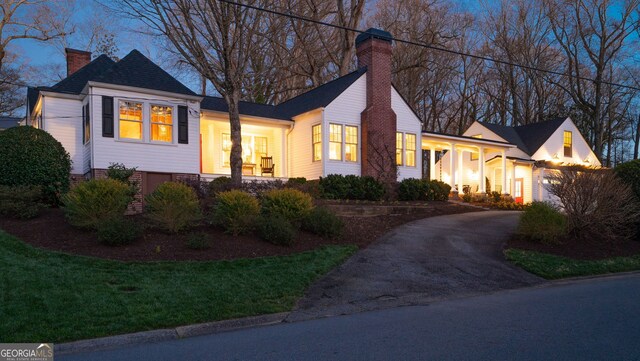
(426, 260)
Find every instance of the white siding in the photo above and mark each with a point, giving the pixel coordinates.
(300, 147)
(407, 122)
(554, 145)
(169, 158)
(63, 120)
(346, 109)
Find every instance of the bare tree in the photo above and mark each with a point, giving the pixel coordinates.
(216, 39)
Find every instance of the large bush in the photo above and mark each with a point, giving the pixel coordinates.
(219, 185)
(597, 203)
(542, 222)
(32, 157)
(412, 189)
(292, 204)
(276, 229)
(439, 191)
(323, 222)
(94, 201)
(629, 172)
(173, 207)
(236, 211)
(22, 202)
(337, 186)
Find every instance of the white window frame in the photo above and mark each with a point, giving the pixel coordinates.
(357, 143)
(341, 142)
(174, 119)
(146, 121)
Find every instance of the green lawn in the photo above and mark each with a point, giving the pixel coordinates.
(55, 297)
(553, 267)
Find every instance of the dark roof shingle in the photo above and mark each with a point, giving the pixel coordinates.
(9, 122)
(528, 138)
(78, 80)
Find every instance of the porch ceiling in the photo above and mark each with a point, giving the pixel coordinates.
(439, 141)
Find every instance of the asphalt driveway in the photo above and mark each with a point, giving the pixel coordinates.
(423, 261)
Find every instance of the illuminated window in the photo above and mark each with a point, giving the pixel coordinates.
(410, 152)
(474, 155)
(161, 123)
(130, 120)
(398, 148)
(316, 132)
(351, 143)
(567, 144)
(226, 149)
(335, 141)
(260, 147)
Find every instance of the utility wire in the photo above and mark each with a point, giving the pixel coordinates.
(424, 45)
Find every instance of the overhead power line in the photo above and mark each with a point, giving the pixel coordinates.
(424, 45)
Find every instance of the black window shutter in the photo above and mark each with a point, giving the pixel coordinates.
(183, 125)
(107, 117)
(87, 126)
(84, 124)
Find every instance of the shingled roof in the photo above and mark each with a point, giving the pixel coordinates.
(316, 98)
(528, 138)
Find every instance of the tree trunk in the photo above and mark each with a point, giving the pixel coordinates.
(233, 99)
(637, 145)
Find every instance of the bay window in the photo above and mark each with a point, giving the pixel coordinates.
(130, 119)
(398, 148)
(161, 123)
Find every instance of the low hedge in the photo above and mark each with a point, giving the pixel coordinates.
(95, 201)
(337, 186)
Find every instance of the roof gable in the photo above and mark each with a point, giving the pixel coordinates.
(528, 138)
(507, 133)
(136, 70)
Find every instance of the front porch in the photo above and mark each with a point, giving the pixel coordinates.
(476, 165)
(261, 142)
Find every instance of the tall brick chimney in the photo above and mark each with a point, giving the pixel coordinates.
(76, 59)
(378, 121)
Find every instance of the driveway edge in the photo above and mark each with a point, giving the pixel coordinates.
(167, 334)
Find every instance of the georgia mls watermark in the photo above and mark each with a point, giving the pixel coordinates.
(26, 352)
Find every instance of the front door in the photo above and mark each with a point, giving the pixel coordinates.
(517, 194)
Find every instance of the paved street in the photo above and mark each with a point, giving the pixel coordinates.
(597, 319)
(425, 260)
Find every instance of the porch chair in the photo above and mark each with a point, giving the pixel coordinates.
(267, 166)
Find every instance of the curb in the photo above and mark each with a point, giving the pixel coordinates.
(110, 342)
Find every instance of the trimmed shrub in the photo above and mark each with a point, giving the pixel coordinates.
(413, 189)
(466, 197)
(542, 222)
(173, 207)
(296, 182)
(198, 240)
(439, 191)
(509, 205)
(290, 203)
(495, 196)
(118, 231)
(236, 211)
(275, 228)
(23, 202)
(94, 201)
(32, 157)
(323, 222)
(219, 185)
(337, 186)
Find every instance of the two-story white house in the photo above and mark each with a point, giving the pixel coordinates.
(135, 113)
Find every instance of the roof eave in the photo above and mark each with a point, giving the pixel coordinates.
(249, 117)
(179, 96)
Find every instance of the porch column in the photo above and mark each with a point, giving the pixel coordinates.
(452, 168)
(513, 178)
(283, 153)
(460, 165)
(432, 163)
(504, 172)
(483, 183)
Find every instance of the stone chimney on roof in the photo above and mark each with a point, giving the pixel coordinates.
(76, 59)
(378, 121)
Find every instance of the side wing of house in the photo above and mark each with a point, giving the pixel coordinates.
(145, 131)
(567, 145)
(305, 145)
(62, 118)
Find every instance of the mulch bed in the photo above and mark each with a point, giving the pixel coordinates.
(51, 231)
(580, 249)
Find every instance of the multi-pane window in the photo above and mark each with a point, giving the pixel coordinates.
(86, 124)
(567, 143)
(335, 141)
(351, 143)
(161, 123)
(260, 146)
(253, 149)
(410, 152)
(398, 148)
(316, 132)
(130, 121)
